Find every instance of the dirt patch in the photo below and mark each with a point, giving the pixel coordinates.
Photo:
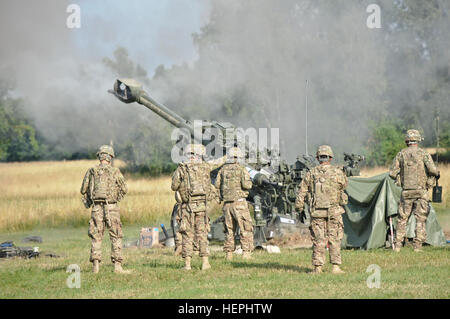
(294, 240)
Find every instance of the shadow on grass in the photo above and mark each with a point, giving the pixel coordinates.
(271, 265)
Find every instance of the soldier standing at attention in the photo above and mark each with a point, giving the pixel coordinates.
(324, 187)
(233, 181)
(103, 187)
(415, 172)
(193, 182)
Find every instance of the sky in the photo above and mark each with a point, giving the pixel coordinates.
(154, 32)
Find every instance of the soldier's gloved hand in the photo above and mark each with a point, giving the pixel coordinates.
(438, 175)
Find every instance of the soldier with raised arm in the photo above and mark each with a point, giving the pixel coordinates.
(323, 187)
(233, 181)
(103, 187)
(414, 171)
(193, 182)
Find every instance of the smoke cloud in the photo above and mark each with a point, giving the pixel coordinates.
(252, 62)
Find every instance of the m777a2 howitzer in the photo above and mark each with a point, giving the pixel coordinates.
(274, 186)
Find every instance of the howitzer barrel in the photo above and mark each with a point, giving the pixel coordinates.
(129, 90)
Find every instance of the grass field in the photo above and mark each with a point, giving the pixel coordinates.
(43, 199)
(158, 274)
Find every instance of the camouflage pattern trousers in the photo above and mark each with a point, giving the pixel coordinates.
(419, 207)
(105, 216)
(326, 230)
(178, 235)
(237, 214)
(194, 226)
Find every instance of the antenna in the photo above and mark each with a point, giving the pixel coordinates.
(437, 138)
(306, 118)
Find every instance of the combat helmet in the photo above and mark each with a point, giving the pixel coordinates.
(413, 136)
(197, 149)
(324, 150)
(234, 152)
(105, 149)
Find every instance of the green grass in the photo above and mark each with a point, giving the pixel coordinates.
(158, 274)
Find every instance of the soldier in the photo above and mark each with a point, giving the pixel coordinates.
(233, 181)
(415, 172)
(324, 187)
(103, 187)
(192, 180)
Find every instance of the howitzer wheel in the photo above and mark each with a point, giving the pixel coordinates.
(270, 196)
(291, 192)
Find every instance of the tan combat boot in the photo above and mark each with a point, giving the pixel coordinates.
(418, 249)
(397, 249)
(229, 256)
(317, 270)
(205, 264)
(187, 263)
(337, 270)
(247, 255)
(96, 266)
(119, 270)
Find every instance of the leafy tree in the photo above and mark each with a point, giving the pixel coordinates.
(386, 140)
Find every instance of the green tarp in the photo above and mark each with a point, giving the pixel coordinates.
(371, 202)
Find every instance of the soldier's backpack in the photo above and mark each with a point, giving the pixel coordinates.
(103, 182)
(414, 175)
(198, 180)
(326, 188)
(231, 189)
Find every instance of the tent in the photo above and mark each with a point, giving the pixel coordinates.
(371, 202)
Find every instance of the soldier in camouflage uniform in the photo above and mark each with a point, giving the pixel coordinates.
(323, 187)
(234, 182)
(103, 187)
(193, 181)
(415, 172)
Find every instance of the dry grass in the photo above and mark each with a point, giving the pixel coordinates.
(47, 194)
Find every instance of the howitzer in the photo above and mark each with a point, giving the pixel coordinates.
(352, 164)
(275, 183)
(129, 91)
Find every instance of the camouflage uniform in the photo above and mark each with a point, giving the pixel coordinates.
(178, 235)
(103, 187)
(234, 182)
(323, 187)
(192, 180)
(414, 171)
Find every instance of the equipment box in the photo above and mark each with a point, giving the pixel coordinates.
(149, 237)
